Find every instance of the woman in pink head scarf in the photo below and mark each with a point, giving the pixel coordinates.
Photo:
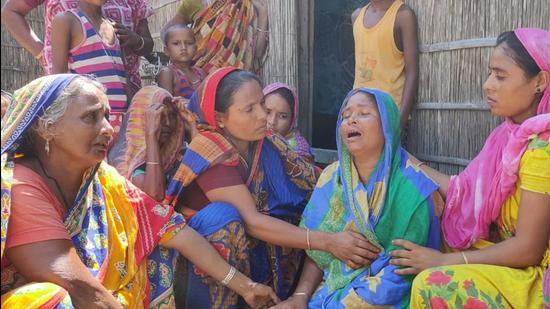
(497, 210)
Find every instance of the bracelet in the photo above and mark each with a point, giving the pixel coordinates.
(301, 294)
(464, 256)
(152, 163)
(229, 276)
(142, 43)
(307, 240)
(420, 164)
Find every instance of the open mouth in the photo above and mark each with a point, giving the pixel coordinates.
(353, 133)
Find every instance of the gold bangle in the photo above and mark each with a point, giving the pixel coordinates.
(464, 256)
(307, 240)
(301, 294)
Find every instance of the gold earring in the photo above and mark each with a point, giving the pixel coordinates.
(47, 147)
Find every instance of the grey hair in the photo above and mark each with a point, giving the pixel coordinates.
(58, 108)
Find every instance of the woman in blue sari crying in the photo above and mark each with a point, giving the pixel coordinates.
(374, 190)
(74, 232)
(245, 189)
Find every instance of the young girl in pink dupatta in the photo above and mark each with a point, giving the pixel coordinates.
(282, 106)
(497, 209)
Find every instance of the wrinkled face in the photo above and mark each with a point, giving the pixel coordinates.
(83, 133)
(168, 121)
(279, 114)
(181, 45)
(246, 117)
(509, 92)
(361, 128)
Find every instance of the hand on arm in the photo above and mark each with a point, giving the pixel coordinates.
(139, 42)
(531, 239)
(349, 247)
(56, 261)
(201, 253)
(408, 27)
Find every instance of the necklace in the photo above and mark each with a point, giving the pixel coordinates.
(55, 181)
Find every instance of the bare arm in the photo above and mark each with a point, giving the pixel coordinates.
(262, 36)
(354, 15)
(13, 17)
(143, 31)
(408, 28)
(132, 41)
(531, 239)
(166, 80)
(153, 181)
(61, 38)
(59, 263)
(345, 246)
(201, 253)
(441, 179)
(309, 280)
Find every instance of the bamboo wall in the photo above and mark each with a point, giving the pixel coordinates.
(18, 66)
(452, 120)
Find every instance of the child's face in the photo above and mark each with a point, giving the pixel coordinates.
(181, 45)
(279, 115)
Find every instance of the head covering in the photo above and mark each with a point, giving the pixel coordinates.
(394, 203)
(129, 152)
(537, 43)
(475, 196)
(203, 101)
(296, 141)
(93, 220)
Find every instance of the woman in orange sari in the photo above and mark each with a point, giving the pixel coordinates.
(100, 241)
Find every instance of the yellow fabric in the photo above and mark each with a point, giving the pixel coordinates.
(378, 62)
(189, 9)
(515, 288)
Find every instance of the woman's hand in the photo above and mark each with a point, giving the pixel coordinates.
(293, 302)
(415, 258)
(190, 119)
(260, 296)
(352, 248)
(127, 37)
(153, 114)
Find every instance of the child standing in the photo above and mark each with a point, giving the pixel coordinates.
(180, 77)
(386, 51)
(86, 43)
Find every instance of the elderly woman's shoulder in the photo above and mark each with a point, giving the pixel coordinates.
(328, 174)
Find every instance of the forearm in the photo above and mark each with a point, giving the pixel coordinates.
(504, 253)
(91, 295)
(310, 278)
(441, 179)
(21, 31)
(200, 252)
(154, 181)
(409, 97)
(262, 38)
(281, 233)
(147, 47)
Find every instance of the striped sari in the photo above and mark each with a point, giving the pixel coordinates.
(280, 182)
(115, 228)
(398, 201)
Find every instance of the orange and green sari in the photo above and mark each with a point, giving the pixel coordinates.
(115, 228)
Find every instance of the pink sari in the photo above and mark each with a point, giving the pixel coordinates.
(476, 195)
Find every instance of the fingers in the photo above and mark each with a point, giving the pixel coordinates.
(406, 271)
(365, 254)
(365, 244)
(405, 244)
(274, 296)
(402, 254)
(402, 262)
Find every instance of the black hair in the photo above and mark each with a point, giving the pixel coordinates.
(229, 85)
(288, 96)
(166, 34)
(518, 53)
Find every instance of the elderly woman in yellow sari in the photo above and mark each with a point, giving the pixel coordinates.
(75, 232)
(496, 212)
(228, 32)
